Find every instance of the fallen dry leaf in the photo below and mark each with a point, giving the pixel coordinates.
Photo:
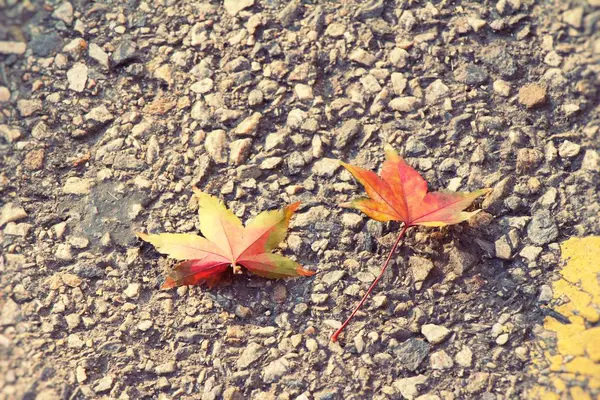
(400, 194)
(227, 242)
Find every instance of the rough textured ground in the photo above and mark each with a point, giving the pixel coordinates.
(112, 110)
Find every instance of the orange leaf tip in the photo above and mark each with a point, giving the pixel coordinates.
(168, 284)
(142, 235)
(294, 206)
(305, 272)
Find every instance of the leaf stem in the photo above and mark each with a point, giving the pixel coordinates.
(334, 337)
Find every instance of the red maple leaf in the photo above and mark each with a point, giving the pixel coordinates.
(400, 194)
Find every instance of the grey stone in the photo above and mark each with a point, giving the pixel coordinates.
(95, 52)
(233, 7)
(591, 161)
(351, 220)
(435, 333)
(477, 382)
(312, 216)
(495, 200)
(249, 125)
(128, 161)
(276, 140)
(216, 145)
(498, 57)
(104, 384)
(79, 242)
(271, 163)
(198, 35)
(333, 277)
(11, 212)
(574, 17)
(407, 20)
(77, 77)
(436, 91)
(440, 360)
(73, 320)
(408, 387)
(125, 51)
(290, 12)
(459, 261)
(165, 73)
(503, 248)
(250, 355)
(568, 149)
(546, 294)
(99, 114)
(300, 308)
(45, 44)
(203, 86)
(238, 64)
(12, 47)
(132, 291)
(239, 151)
(202, 70)
(10, 313)
(88, 271)
(166, 368)
(200, 112)
(145, 325)
(370, 84)
(296, 162)
(64, 252)
(275, 370)
(304, 92)
(530, 252)
(415, 147)
(346, 133)
(405, 104)
(502, 339)
(399, 83)
(528, 160)
(471, 74)
(464, 357)
(398, 57)
(295, 118)
(362, 56)
(75, 47)
(371, 9)
(326, 167)
(501, 87)
(449, 165)
(255, 97)
(11, 134)
(64, 12)
(419, 267)
(542, 229)
(411, 353)
(335, 30)
(76, 185)
(13, 229)
(242, 312)
(29, 107)
(316, 19)
(153, 150)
